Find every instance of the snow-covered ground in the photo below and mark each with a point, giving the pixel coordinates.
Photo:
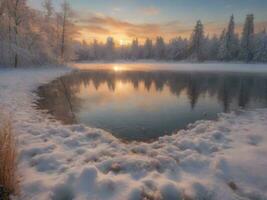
(226, 159)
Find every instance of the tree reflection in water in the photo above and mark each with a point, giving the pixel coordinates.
(231, 90)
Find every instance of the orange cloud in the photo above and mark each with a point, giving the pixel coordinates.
(100, 27)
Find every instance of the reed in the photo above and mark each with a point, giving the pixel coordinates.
(8, 160)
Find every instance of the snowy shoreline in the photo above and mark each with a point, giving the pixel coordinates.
(224, 159)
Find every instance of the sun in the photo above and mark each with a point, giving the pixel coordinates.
(123, 42)
(115, 68)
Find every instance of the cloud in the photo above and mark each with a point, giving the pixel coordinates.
(100, 27)
(97, 29)
(150, 11)
(109, 26)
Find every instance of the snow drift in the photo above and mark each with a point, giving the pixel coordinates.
(223, 159)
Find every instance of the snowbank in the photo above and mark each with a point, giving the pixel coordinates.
(225, 159)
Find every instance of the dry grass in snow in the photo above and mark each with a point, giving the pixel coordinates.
(8, 159)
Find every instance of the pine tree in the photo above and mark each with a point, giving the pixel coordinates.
(197, 42)
(177, 49)
(95, 50)
(135, 49)
(247, 41)
(261, 47)
(148, 49)
(213, 50)
(110, 48)
(160, 48)
(222, 46)
(231, 41)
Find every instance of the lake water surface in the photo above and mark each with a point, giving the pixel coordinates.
(143, 103)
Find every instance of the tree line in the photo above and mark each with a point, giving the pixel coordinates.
(32, 37)
(229, 46)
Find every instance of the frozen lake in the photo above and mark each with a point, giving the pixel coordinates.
(146, 101)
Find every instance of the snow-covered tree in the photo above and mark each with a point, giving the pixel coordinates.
(222, 47)
(261, 47)
(148, 49)
(83, 51)
(177, 49)
(247, 41)
(95, 50)
(229, 43)
(110, 48)
(17, 12)
(3, 17)
(65, 24)
(197, 42)
(49, 30)
(160, 49)
(124, 52)
(48, 9)
(213, 50)
(135, 49)
(28, 36)
(2, 7)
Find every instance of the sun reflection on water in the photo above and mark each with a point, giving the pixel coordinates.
(118, 68)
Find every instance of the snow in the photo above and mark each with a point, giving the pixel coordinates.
(223, 159)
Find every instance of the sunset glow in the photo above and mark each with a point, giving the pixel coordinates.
(124, 42)
(127, 20)
(118, 68)
(133, 99)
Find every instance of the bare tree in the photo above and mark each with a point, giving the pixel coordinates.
(65, 15)
(28, 36)
(16, 12)
(49, 27)
(2, 7)
(48, 9)
(2, 12)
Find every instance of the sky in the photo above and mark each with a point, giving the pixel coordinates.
(125, 20)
